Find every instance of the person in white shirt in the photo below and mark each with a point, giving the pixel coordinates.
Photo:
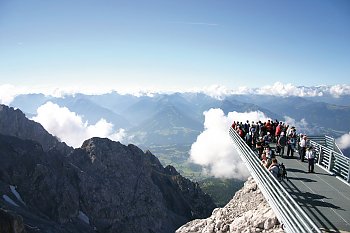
(302, 150)
(310, 156)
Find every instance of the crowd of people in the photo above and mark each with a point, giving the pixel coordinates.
(259, 135)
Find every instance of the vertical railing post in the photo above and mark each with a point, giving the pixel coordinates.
(320, 156)
(331, 160)
(348, 180)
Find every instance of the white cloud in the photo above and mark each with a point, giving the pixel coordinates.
(8, 93)
(277, 89)
(344, 141)
(301, 126)
(70, 127)
(217, 91)
(280, 89)
(214, 148)
(339, 90)
(244, 116)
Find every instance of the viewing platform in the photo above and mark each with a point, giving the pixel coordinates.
(306, 202)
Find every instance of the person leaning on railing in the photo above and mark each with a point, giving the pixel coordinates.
(273, 168)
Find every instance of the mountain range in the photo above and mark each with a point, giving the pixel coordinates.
(164, 119)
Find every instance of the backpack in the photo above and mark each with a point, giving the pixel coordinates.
(271, 154)
(281, 170)
(292, 141)
(278, 149)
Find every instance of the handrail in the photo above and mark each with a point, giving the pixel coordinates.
(288, 212)
(326, 141)
(329, 158)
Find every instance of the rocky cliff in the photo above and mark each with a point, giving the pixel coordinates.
(103, 186)
(13, 122)
(248, 211)
(11, 222)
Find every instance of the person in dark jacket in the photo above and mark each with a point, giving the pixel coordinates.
(281, 143)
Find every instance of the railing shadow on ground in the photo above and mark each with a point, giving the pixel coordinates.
(295, 170)
(307, 180)
(315, 199)
(312, 206)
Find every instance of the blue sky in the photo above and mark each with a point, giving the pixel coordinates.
(174, 44)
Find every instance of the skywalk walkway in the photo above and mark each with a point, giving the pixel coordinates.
(323, 197)
(306, 202)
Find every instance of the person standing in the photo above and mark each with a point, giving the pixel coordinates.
(282, 141)
(291, 143)
(278, 130)
(310, 156)
(302, 150)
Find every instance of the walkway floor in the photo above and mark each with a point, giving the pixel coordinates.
(322, 196)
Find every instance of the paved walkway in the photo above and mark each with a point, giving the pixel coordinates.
(322, 196)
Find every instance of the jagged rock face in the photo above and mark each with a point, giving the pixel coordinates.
(198, 202)
(138, 195)
(103, 186)
(14, 123)
(44, 180)
(11, 222)
(248, 211)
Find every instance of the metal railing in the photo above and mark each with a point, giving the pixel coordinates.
(330, 157)
(326, 141)
(288, 212)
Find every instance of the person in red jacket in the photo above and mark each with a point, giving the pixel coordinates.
(234, 125)
(278, 130)
(240, 132)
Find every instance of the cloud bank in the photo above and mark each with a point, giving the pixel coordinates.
(339, 90)
(278, 89)
(344, 141)
(70, 127)
(214, 149)
(9, 92)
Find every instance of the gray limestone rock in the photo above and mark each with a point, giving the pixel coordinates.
(248, 211)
